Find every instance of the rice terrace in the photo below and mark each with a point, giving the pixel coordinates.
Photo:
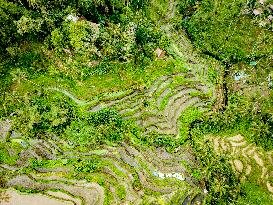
(147, 102)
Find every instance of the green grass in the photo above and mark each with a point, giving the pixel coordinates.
(187, 117)
(254, 194)
(121, 77)
(5, 157)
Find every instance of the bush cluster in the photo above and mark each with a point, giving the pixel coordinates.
(222, 30)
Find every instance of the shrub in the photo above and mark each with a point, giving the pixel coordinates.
(94, 129)
(104, 117)
(117, 42)
(42, 113)
(148, 38)
(78, 36)
(87, 166)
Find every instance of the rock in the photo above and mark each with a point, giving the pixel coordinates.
(160, 53)
(261, 2)
(257, 12)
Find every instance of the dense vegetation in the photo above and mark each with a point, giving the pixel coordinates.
(232, 32)
(101, 50)
(239, 35)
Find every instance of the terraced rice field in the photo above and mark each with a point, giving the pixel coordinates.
(54, 170)
(144, 175)
(247, 159)
(130, 174)
(159, 107)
